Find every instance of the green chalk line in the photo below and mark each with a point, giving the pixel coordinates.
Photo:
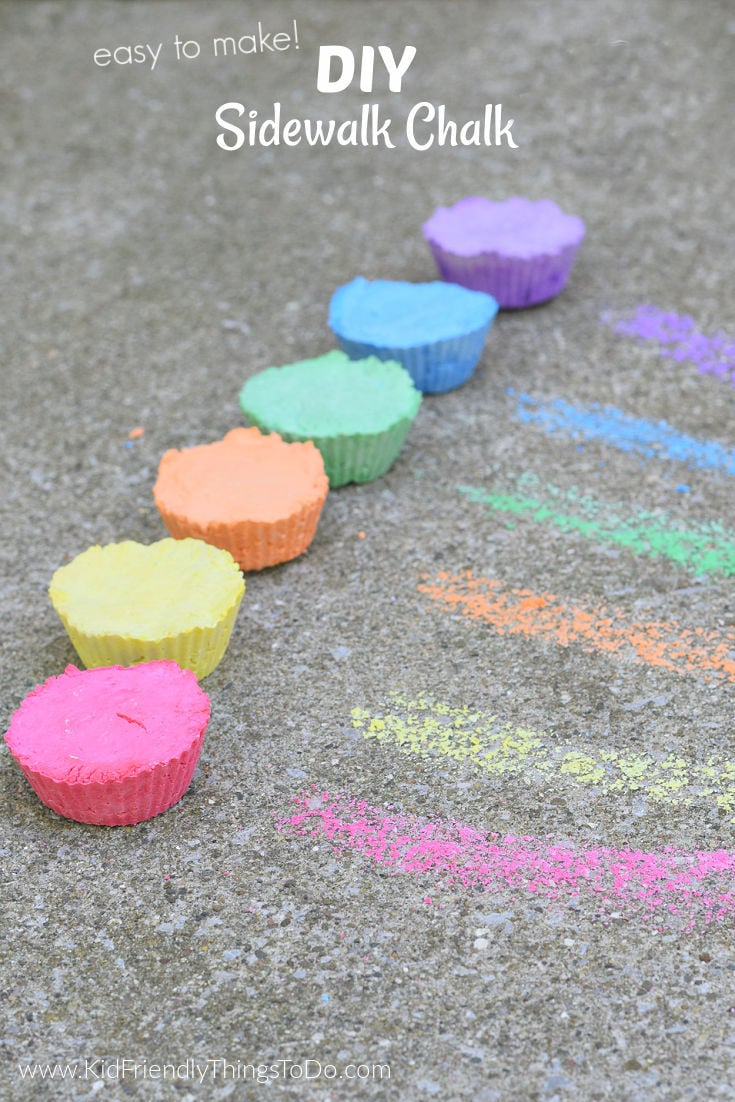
(700, 548)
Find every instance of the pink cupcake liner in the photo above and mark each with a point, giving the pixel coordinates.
(113, 745)
(124, 802)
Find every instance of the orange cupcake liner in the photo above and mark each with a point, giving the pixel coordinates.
(254, 545)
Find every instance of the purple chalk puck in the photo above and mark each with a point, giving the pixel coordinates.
(519, 251)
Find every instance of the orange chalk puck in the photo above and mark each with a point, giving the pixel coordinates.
(254, 495)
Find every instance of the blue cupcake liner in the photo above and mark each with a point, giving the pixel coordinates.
(435, 367)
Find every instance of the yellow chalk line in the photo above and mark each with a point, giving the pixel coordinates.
(426, 727)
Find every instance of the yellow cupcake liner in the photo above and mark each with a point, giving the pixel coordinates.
(199, 649)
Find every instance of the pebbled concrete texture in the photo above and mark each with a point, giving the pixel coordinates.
(147, 274)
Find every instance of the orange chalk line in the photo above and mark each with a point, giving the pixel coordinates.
(658, 643)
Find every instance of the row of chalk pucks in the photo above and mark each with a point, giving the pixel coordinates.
(118, 743)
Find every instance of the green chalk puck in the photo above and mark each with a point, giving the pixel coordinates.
(357, 412)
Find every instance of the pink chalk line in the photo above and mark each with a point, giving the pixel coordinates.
(661, 882)
(677, 336)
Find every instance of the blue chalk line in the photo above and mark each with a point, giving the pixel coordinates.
(629, 434)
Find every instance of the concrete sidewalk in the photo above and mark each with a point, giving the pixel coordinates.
(148, 273)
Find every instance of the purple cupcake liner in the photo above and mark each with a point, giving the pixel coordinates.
(515, 282)
(435, 367)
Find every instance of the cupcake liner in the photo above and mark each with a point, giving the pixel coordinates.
(119, 803)
(200, 650)
(360, 457)
(268, 493)
(516, 282)
(435, 367)
(359, 430)
(111, 746)
(252, 544)
(436, 331)
(124, 604)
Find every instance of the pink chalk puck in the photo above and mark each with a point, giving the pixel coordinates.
(113, 745)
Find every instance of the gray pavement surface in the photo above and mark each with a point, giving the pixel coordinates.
(146, 274)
